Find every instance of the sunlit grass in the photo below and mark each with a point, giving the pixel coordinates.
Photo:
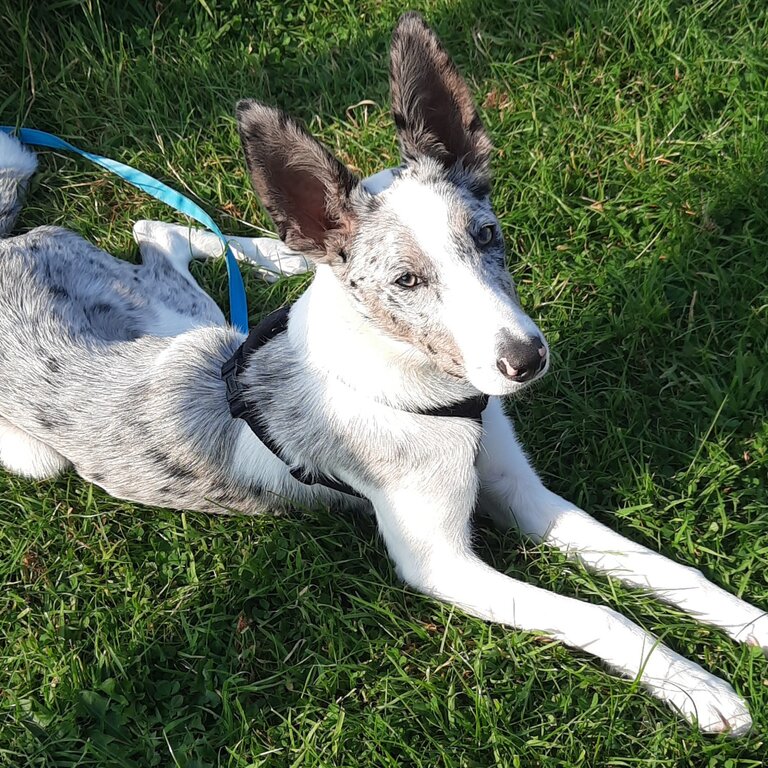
(631, 185)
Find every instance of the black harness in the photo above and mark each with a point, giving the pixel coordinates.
(271, 326)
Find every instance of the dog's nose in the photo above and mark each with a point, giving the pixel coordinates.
(521, 359)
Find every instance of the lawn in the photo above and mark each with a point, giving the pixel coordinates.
(631, 185)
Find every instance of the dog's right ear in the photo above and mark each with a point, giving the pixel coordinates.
(302, 185)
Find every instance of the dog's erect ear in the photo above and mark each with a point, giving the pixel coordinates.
(302, 185)
(431, 104)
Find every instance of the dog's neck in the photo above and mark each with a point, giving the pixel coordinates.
(336, 341)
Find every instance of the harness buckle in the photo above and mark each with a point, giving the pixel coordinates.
(229, 371)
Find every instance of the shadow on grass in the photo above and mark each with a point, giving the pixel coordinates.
(686, 325)
(183, 68)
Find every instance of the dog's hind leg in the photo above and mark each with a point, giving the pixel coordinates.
(156, 239)
(181, 244)
(514, 495)
(25, 455)
(178, 302)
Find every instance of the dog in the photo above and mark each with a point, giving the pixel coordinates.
(379, 389)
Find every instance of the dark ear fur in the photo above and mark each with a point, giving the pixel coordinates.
(302, 185)
(433, 109)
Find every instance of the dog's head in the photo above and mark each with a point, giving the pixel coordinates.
(423, 258)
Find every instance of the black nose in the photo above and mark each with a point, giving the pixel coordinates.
(521, 359)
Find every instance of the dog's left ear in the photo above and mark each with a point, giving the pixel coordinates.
(304, 188)
(432, 107)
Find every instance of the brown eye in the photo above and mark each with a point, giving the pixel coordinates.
(408, 280)
(485, 235)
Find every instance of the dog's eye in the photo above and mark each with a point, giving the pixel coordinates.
(408, 280)
(485, 235)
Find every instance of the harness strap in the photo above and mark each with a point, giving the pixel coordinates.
(271, 326)
(471, 408)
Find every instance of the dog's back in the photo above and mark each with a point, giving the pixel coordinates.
(96, 357)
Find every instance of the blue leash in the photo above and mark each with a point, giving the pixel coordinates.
(238, 307)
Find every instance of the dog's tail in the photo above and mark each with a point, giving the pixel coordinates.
(17, 165)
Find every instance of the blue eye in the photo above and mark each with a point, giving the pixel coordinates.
(485, 235)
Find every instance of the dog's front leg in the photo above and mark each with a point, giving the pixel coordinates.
(426, 530)
(514, 495)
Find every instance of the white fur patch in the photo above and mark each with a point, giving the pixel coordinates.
(251, 458)
(473, 309)
(26, 456)
(181, 243)
(424, 212)
(171, 323)
(169, 239)
(15, 157)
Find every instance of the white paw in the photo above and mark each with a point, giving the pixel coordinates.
(171, 240)
(705, 700)
(272, 255)
(24, 455)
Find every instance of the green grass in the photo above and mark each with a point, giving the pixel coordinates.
(631, 184)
